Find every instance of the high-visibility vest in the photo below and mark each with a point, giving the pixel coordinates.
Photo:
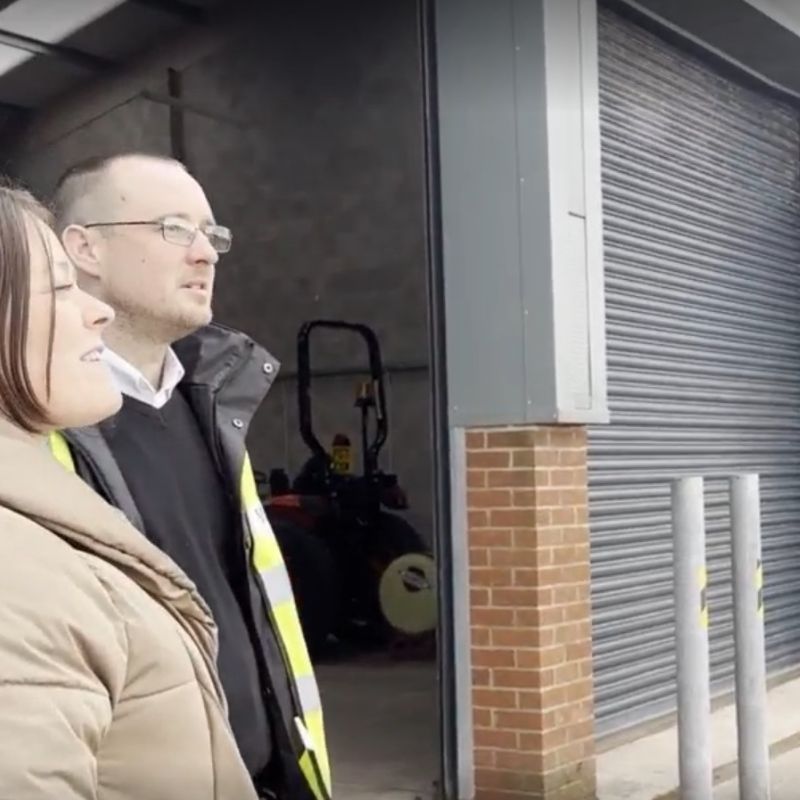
(267, 561)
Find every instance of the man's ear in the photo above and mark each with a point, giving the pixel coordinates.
(83, 249)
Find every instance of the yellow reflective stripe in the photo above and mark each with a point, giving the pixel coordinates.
(277, 584)
(292, 634)
(266, 551)
(315, 722)
(310, 774)
(268, 561)
(60, 449)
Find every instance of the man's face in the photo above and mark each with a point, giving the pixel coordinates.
(158, 288)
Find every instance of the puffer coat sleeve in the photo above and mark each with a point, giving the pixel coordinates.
(63, 658)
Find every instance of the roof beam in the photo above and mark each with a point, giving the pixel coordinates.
(69, 55)
(176, 8)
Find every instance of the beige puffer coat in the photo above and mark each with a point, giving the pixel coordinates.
(108, 688)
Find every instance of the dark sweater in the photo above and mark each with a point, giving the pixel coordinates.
(186, 511)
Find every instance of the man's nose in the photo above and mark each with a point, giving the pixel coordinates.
(201, 250)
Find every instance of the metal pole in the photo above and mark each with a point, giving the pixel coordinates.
(748, 610)
(691, 634)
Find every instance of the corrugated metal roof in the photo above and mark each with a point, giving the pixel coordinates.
(48, 49)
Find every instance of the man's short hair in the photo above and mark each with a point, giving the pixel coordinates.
(85, 178)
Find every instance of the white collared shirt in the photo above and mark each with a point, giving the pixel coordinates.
(132, 383)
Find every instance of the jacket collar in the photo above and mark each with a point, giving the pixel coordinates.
(34, 485)
(211, 355)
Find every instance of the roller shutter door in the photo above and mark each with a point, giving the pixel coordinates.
(702, 259)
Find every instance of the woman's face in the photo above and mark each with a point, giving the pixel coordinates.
(81, 388)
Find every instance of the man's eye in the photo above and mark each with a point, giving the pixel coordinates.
(65, 287)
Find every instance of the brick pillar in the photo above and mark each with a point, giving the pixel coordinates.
(530, 613)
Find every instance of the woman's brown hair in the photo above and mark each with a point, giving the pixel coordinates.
(18, 401)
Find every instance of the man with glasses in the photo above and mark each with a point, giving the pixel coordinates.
(144, 240)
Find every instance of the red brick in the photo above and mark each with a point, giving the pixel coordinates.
(477, 519)
(526, 498)
(564, 516)
(523, 458)
(488, 459)
(512, 518)
(485, 758)
(476, 479)
(494, 698)
(516, 638)
(542, 658)
(482, 717)
(525, 577)
(481, 637)
(572, 458)
(519, 762)
(514, 557)
(512, 478)
(489, 498)
(518, 720)
(481, 677)
(519, 598)
(475, 440)
(482, 576)
(518, 678)
(490, 537)
(493, 658)
(507, 740)
(479, 598)
(512, 439)
(492, 617)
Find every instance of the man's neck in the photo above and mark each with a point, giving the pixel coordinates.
(147, 356)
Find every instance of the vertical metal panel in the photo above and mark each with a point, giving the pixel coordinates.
(702, 248)
(492, 129)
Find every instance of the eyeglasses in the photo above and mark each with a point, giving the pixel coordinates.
(176, 230)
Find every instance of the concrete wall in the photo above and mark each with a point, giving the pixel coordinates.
(316, 163)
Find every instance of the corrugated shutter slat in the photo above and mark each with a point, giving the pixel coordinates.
(702, 259)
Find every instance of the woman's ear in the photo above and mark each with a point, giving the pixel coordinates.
(82, 248)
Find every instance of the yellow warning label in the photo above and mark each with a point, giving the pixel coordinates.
(703, 584)
(760, 588)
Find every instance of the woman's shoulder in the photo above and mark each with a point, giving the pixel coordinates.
(41, 571)
(51, 599)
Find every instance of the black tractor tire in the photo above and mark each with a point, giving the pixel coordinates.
(395, 537)
(315, 581)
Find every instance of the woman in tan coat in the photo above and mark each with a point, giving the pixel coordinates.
(108, 688)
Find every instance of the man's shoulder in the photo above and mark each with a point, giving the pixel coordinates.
(215, 349)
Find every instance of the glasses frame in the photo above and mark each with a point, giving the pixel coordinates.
(206, 230)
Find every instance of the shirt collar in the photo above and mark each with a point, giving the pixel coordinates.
(132, 383)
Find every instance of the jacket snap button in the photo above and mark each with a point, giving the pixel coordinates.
(268, 368)
(237, 423)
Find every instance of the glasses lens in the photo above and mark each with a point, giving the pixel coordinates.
(221, 238)
(177, 231)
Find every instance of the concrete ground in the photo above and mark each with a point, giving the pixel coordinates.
(381, 719)
(647, 769)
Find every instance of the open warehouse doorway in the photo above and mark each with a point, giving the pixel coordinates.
(304, 123)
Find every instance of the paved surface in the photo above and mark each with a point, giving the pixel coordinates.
(785, 780)
(648, 768)
(382, 728)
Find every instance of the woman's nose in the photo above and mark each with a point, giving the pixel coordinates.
(97, 314)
